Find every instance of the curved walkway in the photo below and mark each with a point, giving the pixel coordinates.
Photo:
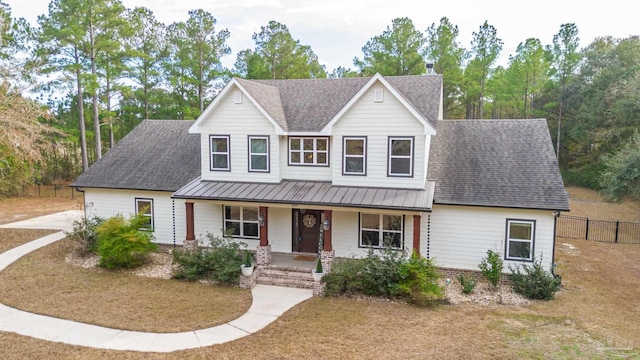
(269, 303)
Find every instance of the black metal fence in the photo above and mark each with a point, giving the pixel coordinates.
(577, 227)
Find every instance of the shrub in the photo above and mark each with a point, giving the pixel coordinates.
(219, 262)
(467, 284)
(535, 282)
(491, 268)
(122, 243)
(419, 281)
(386, 273)
(84, 233)
(375, 275)
(248, 259)
(319, 269)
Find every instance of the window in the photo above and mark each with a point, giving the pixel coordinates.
(354, 158)
(259, 153)
(241, 221)
(145, 207)
(308, 151)
(520, 236)
(219, 146)
(380, 230)
(400, 156)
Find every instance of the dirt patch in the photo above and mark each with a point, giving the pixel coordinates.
(588, 203)
(10, 238)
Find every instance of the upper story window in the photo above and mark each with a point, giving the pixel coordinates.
(381, 230)
(400, 156)
(144, 207)
(219, 146)
(259, 153)
(308, 151)
(354, 161)
(520, 238)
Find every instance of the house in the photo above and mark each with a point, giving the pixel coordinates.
(337, 166)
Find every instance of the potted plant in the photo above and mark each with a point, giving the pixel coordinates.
(318, 272)
(247, 266)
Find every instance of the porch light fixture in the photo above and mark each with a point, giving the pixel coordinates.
(261, 220)
(325, 225)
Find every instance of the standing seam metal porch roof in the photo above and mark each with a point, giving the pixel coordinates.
(311, 193)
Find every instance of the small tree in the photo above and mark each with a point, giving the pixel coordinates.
(491, 268)
(535, 282)
(84, 233)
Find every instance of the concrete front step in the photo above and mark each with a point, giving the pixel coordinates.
(286, 276)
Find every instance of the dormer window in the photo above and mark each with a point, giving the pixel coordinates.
(354, 155)
(309, 151)
(258, 153)
(400, 156)
(219, 146)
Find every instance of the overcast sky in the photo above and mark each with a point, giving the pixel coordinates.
(337, 30)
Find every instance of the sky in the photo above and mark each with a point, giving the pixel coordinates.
(337, 30)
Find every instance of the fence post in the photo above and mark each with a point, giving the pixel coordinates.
(617, 228)
(586, 237)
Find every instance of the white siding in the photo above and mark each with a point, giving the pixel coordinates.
(461, 235)
(302, 172)
(378, 121)
(280, 229)
(238, 121)
(109, 202)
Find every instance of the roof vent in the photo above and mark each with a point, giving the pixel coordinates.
(429, 66)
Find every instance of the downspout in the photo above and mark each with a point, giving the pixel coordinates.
(84, 200)
(556, 215)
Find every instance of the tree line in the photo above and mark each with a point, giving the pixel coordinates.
(116, 66)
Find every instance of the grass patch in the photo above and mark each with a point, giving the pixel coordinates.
(10, 238)
(41, 282)
(22, 208)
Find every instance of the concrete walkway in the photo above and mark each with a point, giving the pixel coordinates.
(269, 303)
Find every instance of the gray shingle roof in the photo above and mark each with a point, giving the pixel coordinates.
(309, 104)
(317, 193)
(156, 155)
(501, 163)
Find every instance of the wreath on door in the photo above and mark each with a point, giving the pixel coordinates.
(309, 221)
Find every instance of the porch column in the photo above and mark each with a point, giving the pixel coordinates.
(190, 242)
(328, 246)
(263, 252)
(327, 254)
(416, 233)
(264, 229)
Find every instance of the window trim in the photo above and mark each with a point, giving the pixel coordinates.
(227, 153)
(363, 156)
(301, 151)
(380, 230)
(241, 222)
(508, 240)
(390, 140)
(267, 154)
(151, 210)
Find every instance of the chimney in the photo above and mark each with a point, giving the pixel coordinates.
(429, 66)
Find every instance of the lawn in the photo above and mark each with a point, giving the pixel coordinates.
(595, 315)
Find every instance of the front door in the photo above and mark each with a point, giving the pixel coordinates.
(306, 230)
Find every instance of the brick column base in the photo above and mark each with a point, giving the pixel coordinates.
(263, 255)
(318, 288)
(327, 259)
(190, 245)
(248, 282)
